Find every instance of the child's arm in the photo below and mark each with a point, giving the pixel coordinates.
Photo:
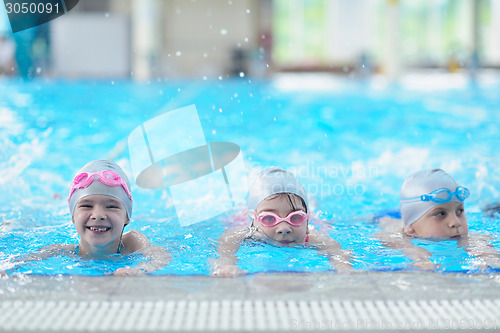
(229, 243)
(393, 237)
(156, 256)
(480, 247)
(45, 252)
(329, 247)
(48, 251)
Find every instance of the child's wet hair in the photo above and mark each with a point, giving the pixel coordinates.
(289, 197)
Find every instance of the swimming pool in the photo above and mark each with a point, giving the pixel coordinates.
(351, 143)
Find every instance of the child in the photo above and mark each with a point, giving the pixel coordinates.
(278, 213)
(100, 203)
(432, 206)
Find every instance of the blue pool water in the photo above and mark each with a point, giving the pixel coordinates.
(350, 143)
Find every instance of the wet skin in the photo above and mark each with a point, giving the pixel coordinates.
(446, 220)
(99, 221)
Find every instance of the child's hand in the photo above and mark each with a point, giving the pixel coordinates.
(227, 271)
(342, 266)
(425, 265)
(484, 264)
(128, 271)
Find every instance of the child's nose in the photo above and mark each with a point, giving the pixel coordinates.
(98, 213)
(283, 228)
(454, 222)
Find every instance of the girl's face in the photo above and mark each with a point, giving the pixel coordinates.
(446, 220)
(283, 232)
(99, 221)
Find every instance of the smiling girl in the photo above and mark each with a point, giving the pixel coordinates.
(100, 203)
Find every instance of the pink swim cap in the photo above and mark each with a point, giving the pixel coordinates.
(96, 187)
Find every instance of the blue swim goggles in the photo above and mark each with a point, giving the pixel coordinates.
(442, 195)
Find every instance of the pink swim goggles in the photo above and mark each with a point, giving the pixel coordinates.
(269, 219)
(107, 177)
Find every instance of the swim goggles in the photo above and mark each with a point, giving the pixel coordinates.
(107, 177)
(442, 195)
(270, 219)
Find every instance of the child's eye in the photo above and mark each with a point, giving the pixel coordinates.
(113, 207)
(460, 211)
(85, 205)
(440, 213)
(268, 219)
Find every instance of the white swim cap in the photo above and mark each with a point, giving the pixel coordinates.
(272, 181)
(423, 183)
(97, 187)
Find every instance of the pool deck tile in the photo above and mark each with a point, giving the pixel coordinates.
(355, 286)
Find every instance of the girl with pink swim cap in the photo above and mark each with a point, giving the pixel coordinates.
(100, 203)
(279, 214)
(432, 206)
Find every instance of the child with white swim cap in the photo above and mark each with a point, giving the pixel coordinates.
(432, 206)
(278, 213)
(100, 203)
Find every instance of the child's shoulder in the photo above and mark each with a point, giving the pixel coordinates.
(133, 241)
(390, 223)
(236, 235)
(133, 234)
(316, 237)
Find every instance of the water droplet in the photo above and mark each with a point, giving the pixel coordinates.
(112, 83)
(220, 110)
(214, 132)
(248, 11)
(246, 39)
(178, 53)
(220, 78)
(223, 32)
(204, 78)
(38, 70)
(274, 118)
(242, 74)
(106, 15)
(205, 55)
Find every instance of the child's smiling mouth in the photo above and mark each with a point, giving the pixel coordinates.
(98, 229)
